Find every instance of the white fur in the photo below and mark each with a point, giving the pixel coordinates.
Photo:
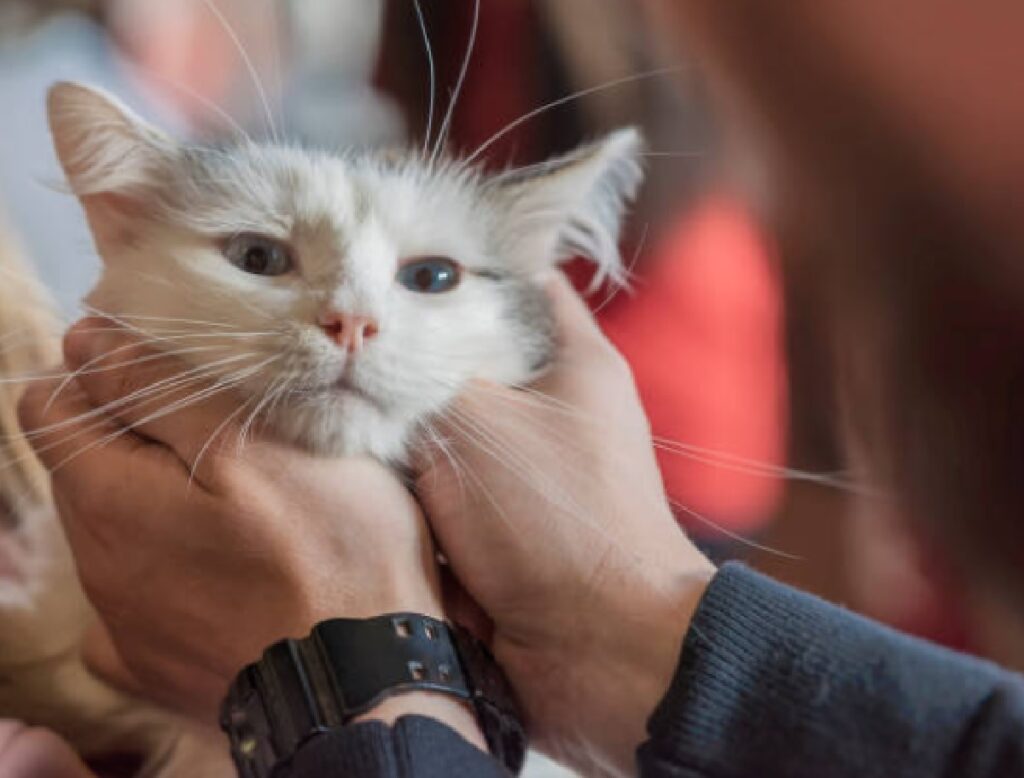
(159, 219)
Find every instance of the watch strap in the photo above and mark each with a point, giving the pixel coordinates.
(302, 688)
(497, 708)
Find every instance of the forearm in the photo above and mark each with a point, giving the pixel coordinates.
(775, 681)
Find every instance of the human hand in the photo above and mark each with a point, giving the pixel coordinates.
(551, 510)
(29, 752)
(194, 574)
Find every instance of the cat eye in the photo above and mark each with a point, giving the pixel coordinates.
(430, 275)
(258, 255)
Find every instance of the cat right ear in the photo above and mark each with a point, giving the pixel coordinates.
(111, 157)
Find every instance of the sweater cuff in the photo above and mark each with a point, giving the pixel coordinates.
(415, 746)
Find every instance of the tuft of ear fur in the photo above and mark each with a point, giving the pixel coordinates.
(110, 156)
(574, 205)
(101, 144)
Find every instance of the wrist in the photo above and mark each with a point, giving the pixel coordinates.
(605, 681)
(352, 670)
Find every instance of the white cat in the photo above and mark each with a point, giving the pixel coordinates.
(347, 298)
(344, 299)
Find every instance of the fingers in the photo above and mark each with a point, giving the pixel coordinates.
(576, 324)
(156, 395)
(94, 463)
(31, 752)
(69, 436)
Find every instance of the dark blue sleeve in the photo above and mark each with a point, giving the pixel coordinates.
(415, 747)
(773, 682)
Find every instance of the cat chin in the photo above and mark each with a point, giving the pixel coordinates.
(357, 427)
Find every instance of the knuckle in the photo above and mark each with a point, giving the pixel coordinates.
(608, 361)
(87, 513)
(225, 474)
(615, 362)
(125, 378)
(30, 406)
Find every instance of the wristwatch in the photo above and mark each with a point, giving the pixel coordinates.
(302, 689)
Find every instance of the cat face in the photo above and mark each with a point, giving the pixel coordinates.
(345, 299)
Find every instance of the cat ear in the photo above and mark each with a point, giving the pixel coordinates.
(574, 205)
(111, 157)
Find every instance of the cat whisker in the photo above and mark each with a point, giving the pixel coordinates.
(103, 421)
(270, 394)
(89, 367)
(149, 341)
(438, 442)
(675, 154)
(711, 457)
(218, 388)
(197, 98)
(715, 457)
(745, 541)
(704, 519)
(499, 509)
(250, 67)
(578, 95)
(534, 477)
(171, 383)
(126, 323)
(442, 136)
(194, 466)
(432, 74)
(177, 320)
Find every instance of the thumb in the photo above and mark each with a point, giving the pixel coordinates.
(575, 323)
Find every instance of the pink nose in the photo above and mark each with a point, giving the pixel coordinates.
(348, 331)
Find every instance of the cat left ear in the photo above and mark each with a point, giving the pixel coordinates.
(573, 206)
(111, 157)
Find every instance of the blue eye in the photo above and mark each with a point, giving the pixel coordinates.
(431, 275)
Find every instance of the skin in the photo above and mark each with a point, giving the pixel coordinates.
(144, 529)
(30, 752)
(589, 596)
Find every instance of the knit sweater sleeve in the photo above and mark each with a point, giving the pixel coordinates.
(774, 682)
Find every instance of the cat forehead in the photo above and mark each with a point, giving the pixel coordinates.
(283, 188)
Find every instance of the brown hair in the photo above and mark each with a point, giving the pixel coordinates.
(916, 254)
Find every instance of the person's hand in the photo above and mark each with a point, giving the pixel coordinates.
(551, 510)
(30, 752)
(195, 573)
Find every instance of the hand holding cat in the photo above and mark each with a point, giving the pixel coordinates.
(548, 504)
(550, 507)
(195, 573)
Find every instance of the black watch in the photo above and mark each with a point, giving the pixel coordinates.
(301, 689)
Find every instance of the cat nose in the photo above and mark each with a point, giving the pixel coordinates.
(347, 330)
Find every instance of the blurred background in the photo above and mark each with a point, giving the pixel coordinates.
(729, 359)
